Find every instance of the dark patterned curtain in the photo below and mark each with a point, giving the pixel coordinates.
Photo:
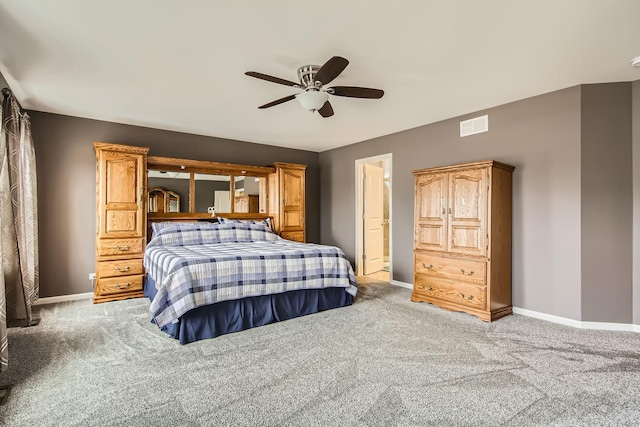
(19, 280)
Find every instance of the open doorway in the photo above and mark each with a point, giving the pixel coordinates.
(373, 218)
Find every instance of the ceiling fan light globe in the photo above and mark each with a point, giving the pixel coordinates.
(312, 100)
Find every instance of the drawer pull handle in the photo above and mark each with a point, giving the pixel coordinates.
(470, 297)
(124, 248)
(425, 287)
(127, 268)
(430, 266)
(467, 274)
(124, 286)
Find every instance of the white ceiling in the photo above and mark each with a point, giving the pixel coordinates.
(180, 65)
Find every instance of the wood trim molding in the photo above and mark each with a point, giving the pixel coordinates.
(289, 165)
(156, 162)
(120, 148)
(481, 164)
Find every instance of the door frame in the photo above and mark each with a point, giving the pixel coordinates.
(359, 211)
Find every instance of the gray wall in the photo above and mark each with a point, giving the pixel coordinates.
(67, 185)
(636, 199)
(3, 82)
(607, 203)
(540, 136)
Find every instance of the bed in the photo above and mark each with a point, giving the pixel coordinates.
(210, 279)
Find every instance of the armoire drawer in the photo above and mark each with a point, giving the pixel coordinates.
(296, 236)
(119, 285)
(124, 247)
(447, 290)
(117, 268)
(452, 268)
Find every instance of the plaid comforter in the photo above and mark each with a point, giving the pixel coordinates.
(200, 266)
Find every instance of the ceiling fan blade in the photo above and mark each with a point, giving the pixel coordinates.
(326, 110)
(271, 79)
(278, 101)
(331, 69)
(356, 92)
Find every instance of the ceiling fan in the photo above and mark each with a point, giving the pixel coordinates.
(313, 78)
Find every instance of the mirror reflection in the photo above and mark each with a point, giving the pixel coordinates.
(250, 194)
(168, 191)
(212, 192)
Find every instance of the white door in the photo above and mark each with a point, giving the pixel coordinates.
(373, 218)
(222, 201)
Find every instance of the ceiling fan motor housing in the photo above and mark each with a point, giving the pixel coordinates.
(306, 75)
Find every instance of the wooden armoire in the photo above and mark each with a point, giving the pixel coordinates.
(462, 242)
(287, 200)
(121, 195)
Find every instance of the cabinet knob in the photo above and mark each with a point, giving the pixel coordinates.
(124, 248)
(467, 274)
(127, 268)
(427, 266)
(123, 286)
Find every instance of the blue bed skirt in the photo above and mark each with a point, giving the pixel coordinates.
(232, 316)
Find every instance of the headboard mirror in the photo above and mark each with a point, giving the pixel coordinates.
(212, 192)
(168, 191)
(198, 189)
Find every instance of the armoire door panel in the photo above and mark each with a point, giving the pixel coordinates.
(467, 240)
(292, 220)
(430, 237)
(286, 200)
(430, 212)
(122, 176)
(431, 196)
(122, 223)
(292, 188)
(468, 203)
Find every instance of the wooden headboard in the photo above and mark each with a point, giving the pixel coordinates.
(281, 193)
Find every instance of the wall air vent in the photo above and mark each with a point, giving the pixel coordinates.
(473, 126)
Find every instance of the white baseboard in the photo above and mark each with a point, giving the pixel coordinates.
(401, 284)
(63, 298)
(604, 326)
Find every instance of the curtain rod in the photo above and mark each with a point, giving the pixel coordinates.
(8, 92)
